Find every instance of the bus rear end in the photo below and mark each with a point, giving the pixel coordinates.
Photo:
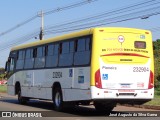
(122, 68)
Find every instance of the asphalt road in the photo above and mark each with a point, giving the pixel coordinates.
(45, 109)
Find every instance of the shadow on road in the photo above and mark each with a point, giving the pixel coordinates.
(47, 108)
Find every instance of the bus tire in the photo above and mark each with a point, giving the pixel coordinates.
(103, 108)
(58, 99)
(21, 99)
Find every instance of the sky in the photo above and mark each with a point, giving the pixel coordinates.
(14, 12)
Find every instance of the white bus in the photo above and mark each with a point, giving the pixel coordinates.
(104, 66)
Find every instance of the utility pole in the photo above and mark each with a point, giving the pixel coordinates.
(41, 34)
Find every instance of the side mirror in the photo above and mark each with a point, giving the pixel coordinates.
(9, 60)
(6, 67)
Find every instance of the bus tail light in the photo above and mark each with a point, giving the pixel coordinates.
(98, 83)
(151, 81)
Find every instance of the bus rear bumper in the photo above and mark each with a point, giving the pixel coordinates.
(122, 101)
(122, 94)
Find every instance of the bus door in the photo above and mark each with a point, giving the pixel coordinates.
(29, 83)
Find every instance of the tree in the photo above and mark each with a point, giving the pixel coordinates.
(156, 44)
(156, 48)
(2, 73)
(2, 70)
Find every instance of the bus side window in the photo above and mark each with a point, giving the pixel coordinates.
(60, 48)
(12, 64)
(20, 59)
(39, 52)
(11, 67)
(50, 50)
(50, 57)
(75, 45)
(71, 46)
(82, 54)
(65, 47)
(39, 57)
(81, 45)
(35, 52)
(46, 50)
(55, 55)
(88, 44)
(66, 58)
(29, 60)
(7, 66)
(56, 49)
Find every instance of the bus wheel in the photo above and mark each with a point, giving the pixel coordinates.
(103, 108)
(21, 99)
(58, 99)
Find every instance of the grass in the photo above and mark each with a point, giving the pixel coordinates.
(3, 88)
(156, 100)
(157, 93)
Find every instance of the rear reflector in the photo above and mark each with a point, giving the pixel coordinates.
(98, 83)
(151, 81)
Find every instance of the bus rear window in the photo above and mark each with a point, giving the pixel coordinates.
(140, 44)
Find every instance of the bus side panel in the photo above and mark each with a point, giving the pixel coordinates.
(75, 83)
(76, 95)
(80, 87)
(21, 78)
(10, 85)
(40, 84)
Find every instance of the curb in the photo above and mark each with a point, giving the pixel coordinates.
(3, 95)
(157, 107)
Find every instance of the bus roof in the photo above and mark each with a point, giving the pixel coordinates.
(73, 35)
(58, 38)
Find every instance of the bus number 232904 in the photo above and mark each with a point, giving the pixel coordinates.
(140, 69)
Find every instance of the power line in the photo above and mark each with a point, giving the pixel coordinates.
(77, 4)
(156, 29)
(130, 16)
(73, 5)
(28, 37)
(95, 25)
(32, 35)
(18, 25)
(106, 14)
(126, 17)
(19, 40)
